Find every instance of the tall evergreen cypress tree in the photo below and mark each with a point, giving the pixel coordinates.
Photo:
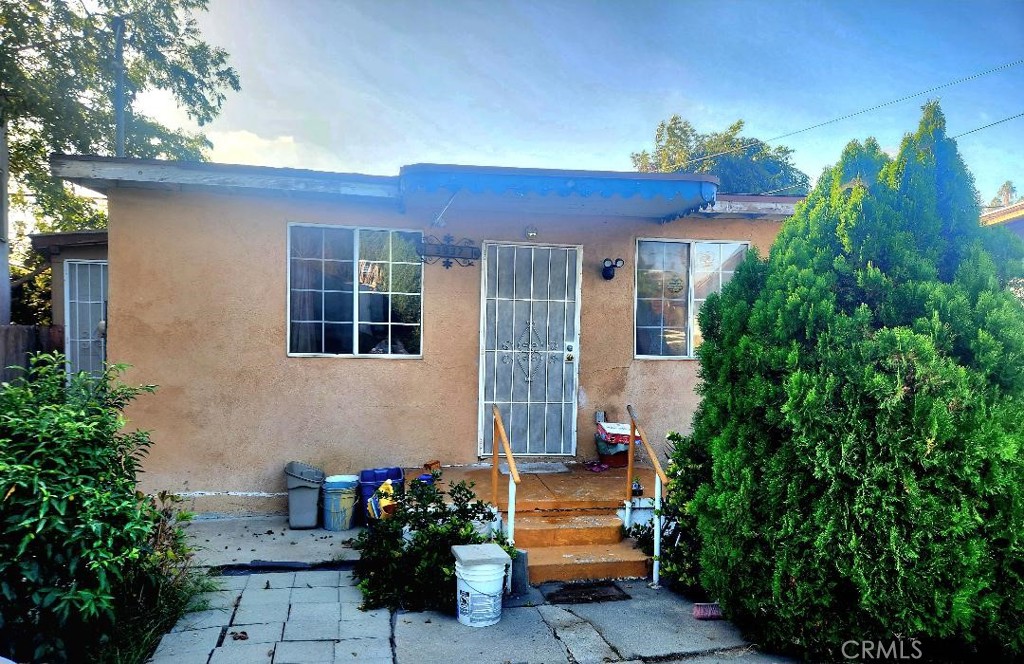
(863, 407)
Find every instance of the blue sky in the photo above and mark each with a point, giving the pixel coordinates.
(370, 86)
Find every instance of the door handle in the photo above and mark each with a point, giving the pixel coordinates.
(569, 357)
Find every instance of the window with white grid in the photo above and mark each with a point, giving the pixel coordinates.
(673, 279)
(354, 292)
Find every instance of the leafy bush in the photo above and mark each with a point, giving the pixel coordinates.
(406, 560)
(862, 398)
(83, 556)
(688, 470)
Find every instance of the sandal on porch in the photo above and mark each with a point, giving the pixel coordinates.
(596, 467)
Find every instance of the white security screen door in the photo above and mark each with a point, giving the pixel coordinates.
(85, 314)
(529, 350)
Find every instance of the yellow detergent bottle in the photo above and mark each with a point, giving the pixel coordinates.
(382, 504)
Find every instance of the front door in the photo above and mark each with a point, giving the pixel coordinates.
(529, 346)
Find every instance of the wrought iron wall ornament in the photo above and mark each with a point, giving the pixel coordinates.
(449, 251)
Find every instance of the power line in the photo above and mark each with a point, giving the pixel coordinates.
(855, 113)
(991, 124)
(775, 191)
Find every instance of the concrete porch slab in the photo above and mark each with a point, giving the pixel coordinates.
(221, 542)
(578, 488)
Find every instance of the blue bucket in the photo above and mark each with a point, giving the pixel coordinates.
(341, 482)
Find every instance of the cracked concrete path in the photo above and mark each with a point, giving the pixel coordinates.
(584, 643)
(311, 617)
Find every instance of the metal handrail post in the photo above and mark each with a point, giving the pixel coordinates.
(511, 530)
(657, 531)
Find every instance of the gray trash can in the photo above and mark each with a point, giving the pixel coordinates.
(304, 483)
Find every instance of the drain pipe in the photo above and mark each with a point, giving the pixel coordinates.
(656, 521)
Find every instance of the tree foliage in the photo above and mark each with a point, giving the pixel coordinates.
(57, 78)
(1007, 195)
(84, 557)
(744, 165)
(862, 398)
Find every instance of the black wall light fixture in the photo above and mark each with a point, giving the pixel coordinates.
(608, 269)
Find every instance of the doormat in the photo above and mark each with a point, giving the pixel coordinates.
(535, 468)
(583, 593)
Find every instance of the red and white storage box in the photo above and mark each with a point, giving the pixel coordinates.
(616, 433)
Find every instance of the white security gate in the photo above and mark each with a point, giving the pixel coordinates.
(529, 346)
(85, 315)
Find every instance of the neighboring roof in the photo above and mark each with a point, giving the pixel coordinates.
(747, 206)
(1004, 215)
(662, 196)
(52, 243)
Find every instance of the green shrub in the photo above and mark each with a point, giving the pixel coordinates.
(863, 392)
(406, 561)
(688, 469)
(83, 555)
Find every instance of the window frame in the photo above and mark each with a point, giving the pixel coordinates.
(691, 315)
(355, 293)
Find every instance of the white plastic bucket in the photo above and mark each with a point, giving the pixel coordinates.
(339, 508)
(478, 593)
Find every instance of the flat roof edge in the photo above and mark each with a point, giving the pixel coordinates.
(105, 173)
(515, 171)
(85, 238)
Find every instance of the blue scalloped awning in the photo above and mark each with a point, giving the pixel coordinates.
(657, 196)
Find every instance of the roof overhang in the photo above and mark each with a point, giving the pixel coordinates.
(430, 188)
(52, 243)
(656, 196)
(103, 174)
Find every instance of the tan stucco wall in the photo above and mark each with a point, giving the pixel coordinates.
(197, 305)
(57, 274)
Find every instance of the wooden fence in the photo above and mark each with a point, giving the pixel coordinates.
(17, 342)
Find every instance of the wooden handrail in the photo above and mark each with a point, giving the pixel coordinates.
(499, 434)
(634, 427)
(513, 473)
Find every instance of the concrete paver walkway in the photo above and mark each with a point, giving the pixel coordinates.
(312, 617)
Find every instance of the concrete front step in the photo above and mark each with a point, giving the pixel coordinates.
(586, 562)
(536, 529)
(553, 503)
